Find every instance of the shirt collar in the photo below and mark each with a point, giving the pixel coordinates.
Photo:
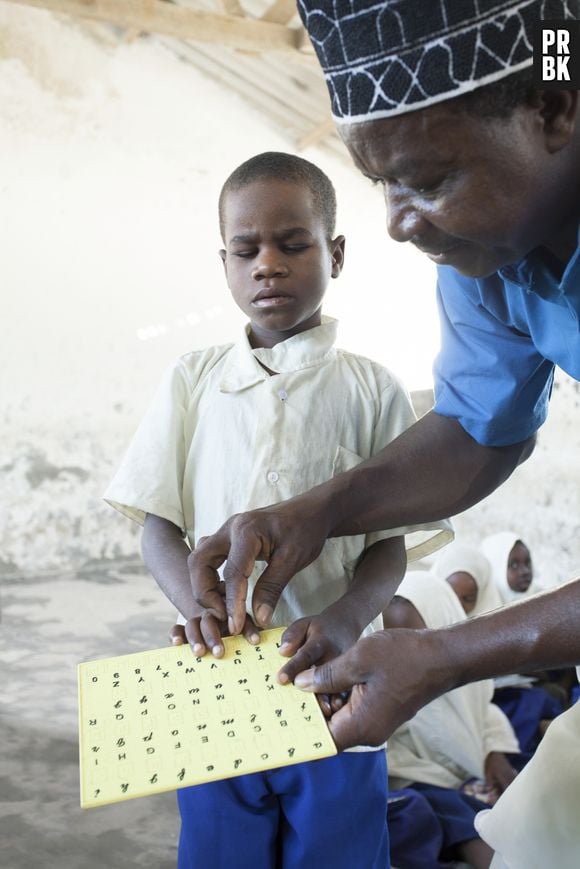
(304, 350)
(534, 274)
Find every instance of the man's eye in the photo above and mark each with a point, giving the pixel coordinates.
(295, 248)
(427, 189)
(244, 254)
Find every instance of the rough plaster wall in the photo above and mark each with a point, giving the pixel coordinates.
(110, 165)
(541, 500)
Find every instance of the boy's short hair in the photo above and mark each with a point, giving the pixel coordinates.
(279, 166)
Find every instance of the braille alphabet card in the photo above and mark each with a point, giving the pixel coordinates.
(164, 719)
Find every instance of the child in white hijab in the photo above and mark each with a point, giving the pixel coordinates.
(511, 566)
(529, 708)
(468, 572)
(457, 737)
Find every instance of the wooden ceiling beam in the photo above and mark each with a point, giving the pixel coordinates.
(154, 16)
(280, 12)
(232, 7)
(316, 134)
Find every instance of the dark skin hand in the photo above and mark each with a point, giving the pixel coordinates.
(392, 674)
(319, 638)
(311, 640)
(499, 773)
(450, 472)
(165, 554)
(328, 703)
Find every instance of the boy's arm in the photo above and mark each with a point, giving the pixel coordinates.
(316, 639)
(165, 554)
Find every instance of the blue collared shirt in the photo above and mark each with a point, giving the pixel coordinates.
(501, 338)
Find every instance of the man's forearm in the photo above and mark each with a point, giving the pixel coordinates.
(541, 632)
(431, 471)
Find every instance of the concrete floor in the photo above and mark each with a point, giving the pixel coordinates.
(49, 624)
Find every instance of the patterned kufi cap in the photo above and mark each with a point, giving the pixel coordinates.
(387, 58)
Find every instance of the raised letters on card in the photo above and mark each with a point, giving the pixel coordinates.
(164, 719)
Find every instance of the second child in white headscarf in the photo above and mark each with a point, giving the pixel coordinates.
(468, 572)
(458, 737)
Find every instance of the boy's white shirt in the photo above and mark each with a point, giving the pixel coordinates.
(223, 436)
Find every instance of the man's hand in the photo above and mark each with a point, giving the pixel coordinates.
(390, 675)
(289, 536)
(394, 673)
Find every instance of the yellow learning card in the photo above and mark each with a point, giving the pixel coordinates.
(160, 720)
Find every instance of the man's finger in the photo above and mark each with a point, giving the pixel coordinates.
(245, 548)
(203, 563)
(335, 676)
(270, 586)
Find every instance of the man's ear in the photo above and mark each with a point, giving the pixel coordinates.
(559, 111)
(222, 256)
(337, 254)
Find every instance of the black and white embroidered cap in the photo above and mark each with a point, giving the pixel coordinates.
(387, 58)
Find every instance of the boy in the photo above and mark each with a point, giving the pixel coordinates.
(246, 425)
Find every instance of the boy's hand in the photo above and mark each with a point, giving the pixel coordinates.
(204, 631)
(315, 640)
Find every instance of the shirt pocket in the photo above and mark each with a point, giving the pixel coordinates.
(351, 547)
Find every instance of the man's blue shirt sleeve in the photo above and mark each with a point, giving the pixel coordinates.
(488, 375)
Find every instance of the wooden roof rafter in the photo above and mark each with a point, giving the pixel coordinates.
(256, 48)
(230, 27)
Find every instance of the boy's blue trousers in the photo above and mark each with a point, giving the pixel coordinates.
(330, 812)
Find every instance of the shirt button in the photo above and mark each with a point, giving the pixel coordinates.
(273, 477)
(282, 394)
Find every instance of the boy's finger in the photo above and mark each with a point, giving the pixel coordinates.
(211, 633)
(251, 632)
(344, 728)
(293, 637)
(177, 635)
(324, 703)
(337, 701)
(194, 638)
(302, 660)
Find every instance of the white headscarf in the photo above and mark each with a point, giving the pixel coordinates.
(460, 557)
(448, 740)
(496, 549)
